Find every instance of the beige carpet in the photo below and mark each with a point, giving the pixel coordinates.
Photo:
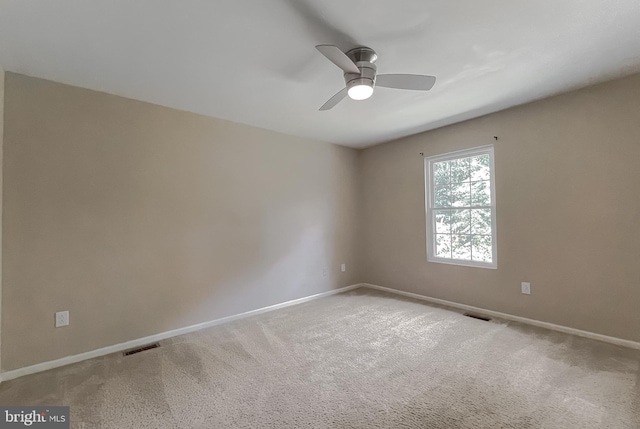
(363, 359)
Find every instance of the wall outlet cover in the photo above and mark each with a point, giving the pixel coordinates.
(526, 288)
(62, 319)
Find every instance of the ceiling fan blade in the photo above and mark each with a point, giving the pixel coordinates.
(339, 58)
(416, 82)
(334, 100)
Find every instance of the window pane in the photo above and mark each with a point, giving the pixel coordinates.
(443, 221)
(481, 193)
(441, 173)
(461, 195)
(443, 246)
(481, 248)
(481, 221)
(461, 221)
(480, 168)
(461, 247)
(442, 197)
(460, 170)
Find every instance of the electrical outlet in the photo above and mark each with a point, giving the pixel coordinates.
(526, 288)
(343, 267)
(62, 319)
(324, 271)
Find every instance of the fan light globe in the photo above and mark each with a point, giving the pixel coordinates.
(360, 92)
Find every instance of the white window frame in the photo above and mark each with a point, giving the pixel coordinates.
(429, 206)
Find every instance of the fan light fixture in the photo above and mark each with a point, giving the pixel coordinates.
(361, 91)
(360, 88)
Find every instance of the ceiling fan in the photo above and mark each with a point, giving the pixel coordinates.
(360, 75)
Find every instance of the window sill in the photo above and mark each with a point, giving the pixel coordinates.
(463, 263)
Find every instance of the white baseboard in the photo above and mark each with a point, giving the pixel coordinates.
(44, 366)
(482, 311)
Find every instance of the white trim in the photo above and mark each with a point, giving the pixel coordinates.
(532, 322)
(458, 153)
(44, 366)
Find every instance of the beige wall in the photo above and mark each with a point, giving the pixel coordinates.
(140, 219)
(568, 211)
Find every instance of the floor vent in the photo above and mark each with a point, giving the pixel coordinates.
(475, 316)
(141, 349)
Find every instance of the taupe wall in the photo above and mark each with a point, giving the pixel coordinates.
(140, 219)
(568, 211)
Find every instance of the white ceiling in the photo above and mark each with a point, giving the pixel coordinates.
(254, 62)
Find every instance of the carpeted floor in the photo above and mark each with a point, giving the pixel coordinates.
(362, 359)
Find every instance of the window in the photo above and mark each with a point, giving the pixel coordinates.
(461, 208)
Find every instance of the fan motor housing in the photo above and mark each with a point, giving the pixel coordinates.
(364, 58)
